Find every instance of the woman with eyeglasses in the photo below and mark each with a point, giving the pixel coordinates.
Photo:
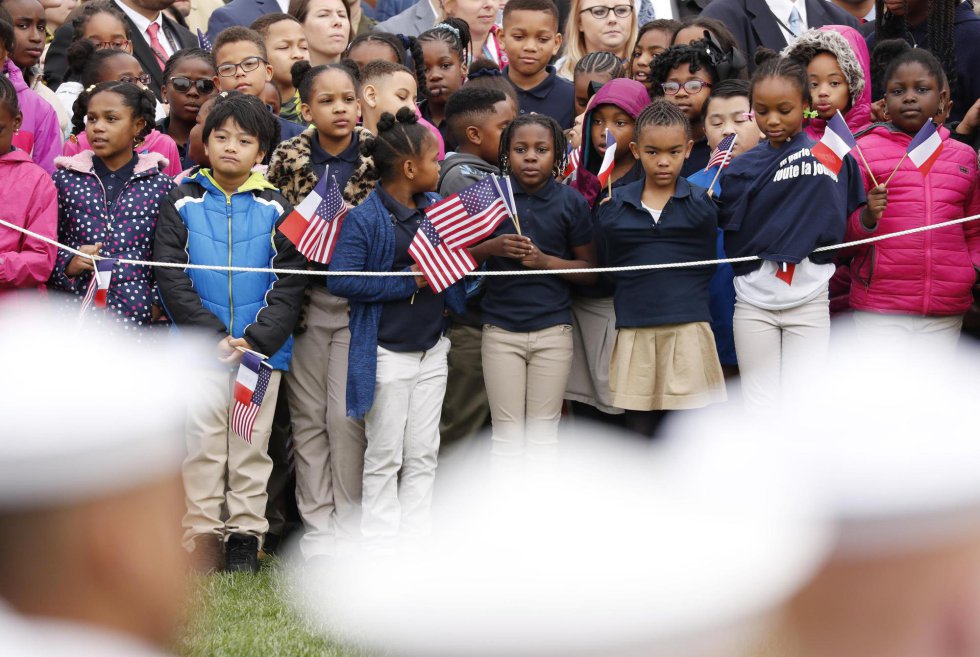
(188, 81)
(92, 66)
(597, 26)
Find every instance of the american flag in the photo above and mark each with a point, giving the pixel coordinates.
(98, 289)
(314, 224)
(250, 386)
(203, 42)
(470, 215)
(441, 264)
(723, 153)
(571, 168)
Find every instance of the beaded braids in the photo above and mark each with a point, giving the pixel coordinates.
(661, 113)
(141, 102)
(769, 64)
(601, 62)
(455, 33)
(939, 36)
(560, 143)
(399, 137)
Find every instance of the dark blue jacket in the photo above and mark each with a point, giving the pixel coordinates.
(239, 12)
(687, 232)
(367, 243)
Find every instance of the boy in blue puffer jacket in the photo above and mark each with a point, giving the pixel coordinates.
(228, 215)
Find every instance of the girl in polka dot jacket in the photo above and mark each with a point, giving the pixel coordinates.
(108, 201)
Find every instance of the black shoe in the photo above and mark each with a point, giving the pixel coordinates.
(242, 554)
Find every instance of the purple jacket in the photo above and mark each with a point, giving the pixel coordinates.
(126, 230)
(28, 199)
(40, 132)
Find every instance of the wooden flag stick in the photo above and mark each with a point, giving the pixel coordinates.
(857, 147)
(896, 168)
(513, 214)
(609, 184)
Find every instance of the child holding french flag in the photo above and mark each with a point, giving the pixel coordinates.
(915, 287)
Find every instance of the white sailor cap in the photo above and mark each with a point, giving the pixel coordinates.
(612, 551)
(87, 411)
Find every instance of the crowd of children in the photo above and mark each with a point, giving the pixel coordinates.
(642, 145)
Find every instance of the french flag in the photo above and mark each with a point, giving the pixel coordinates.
(98, 289)
(836, 143)
(608, 160)
(925, 147)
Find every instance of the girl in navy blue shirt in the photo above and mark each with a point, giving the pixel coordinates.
(527, 333)
(780, 203)
(664, 356)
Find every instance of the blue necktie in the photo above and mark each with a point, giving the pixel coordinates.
(795, 22)
(646, 13)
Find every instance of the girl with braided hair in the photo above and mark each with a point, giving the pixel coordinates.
(445, 49)
(108, 200)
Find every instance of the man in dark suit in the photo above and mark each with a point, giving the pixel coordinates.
(240, 12)
(143, 17)
(773, 23)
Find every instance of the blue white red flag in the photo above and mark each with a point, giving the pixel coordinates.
(250, 386)
(314, 225)
(98, 289)
(925, 147)
(836, 143)
(608, 160)
(470, 215)
(722, 155)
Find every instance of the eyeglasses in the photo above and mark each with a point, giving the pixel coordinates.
(143, 79)
(691, 87)
(183, 85)
(120, 44)
(247, 65)
(620, 11)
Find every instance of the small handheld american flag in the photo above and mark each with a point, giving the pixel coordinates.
(314, 225)
(250, 386)
(571, 168)
(203, 42)
(98, 289)
(722, 154)
(469, 216)
(441, 264)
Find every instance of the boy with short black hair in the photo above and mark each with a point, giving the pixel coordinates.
(531, 38)
(248, 310)
(242, 64)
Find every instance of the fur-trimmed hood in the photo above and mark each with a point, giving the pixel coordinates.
(843, 49)
(83, 162)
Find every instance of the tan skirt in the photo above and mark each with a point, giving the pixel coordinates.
(666, 368)
(594, 321)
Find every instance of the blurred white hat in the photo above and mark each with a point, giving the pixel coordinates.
(613, 550)
(87, 411)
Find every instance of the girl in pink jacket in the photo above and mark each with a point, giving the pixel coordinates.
(28, 199)
(920, 285)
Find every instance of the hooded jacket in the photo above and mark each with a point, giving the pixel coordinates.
(202, 224)
(125, 229)
(929, 273)
(26, 261)
(40, 133)
(155, 142)
(460, 170)
(851, 52)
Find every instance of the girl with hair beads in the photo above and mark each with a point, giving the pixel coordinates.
(109, 198)
(329, 446)
(593, 71)
(782, 317)
(445, 49)
(25, 262)
(527, 332)
(664, 357)
(188, 81)
(397, 369)
(97, 66)
(915, 287)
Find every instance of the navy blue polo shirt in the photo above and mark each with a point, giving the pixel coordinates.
(341, 165)
(556, 218)
(687, 231)
(554, 97)
(114, 181)
(415, 323)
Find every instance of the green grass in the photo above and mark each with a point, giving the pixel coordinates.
(244, 615)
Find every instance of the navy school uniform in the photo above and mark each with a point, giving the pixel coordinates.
(554, 97)
(557, 219)
(113, 181)
(687, 231)
(341, 165)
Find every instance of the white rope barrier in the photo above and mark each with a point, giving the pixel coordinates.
(528, 272)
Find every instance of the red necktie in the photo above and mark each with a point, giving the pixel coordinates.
(155, 45)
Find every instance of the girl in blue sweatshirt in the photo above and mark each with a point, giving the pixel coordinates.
(664, 357)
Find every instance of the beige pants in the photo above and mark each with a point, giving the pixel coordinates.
(939, 334)
(526, 375)
(465, 409)
(328, 446)
(221, 469)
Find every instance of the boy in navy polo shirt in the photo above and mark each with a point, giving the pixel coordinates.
(664, 357)
(531, 37)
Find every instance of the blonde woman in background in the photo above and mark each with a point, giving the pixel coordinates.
(597, 25)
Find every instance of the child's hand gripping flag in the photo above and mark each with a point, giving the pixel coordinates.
(836, 143)
(608, 160)
(250, 386)
(314, 225)
(98, 289)
(925, 147)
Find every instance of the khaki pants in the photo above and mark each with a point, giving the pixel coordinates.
(939, 334)
(526, 375)
(221, 469)
(779, 349)
(465, 410)
(328, 446)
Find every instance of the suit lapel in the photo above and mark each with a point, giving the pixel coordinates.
(765, 26)
(143, 54)
(425, 18)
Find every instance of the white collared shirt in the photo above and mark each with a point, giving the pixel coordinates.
(661, 8)
(781, 9)
(142, 22)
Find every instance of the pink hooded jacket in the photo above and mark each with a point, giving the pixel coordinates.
(155, 142)
(927, 273)
(40, 132)
(25, 261)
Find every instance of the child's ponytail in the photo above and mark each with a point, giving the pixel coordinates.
(770, 64)
(399, 136)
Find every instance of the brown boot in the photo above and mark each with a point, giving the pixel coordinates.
(208, 554)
